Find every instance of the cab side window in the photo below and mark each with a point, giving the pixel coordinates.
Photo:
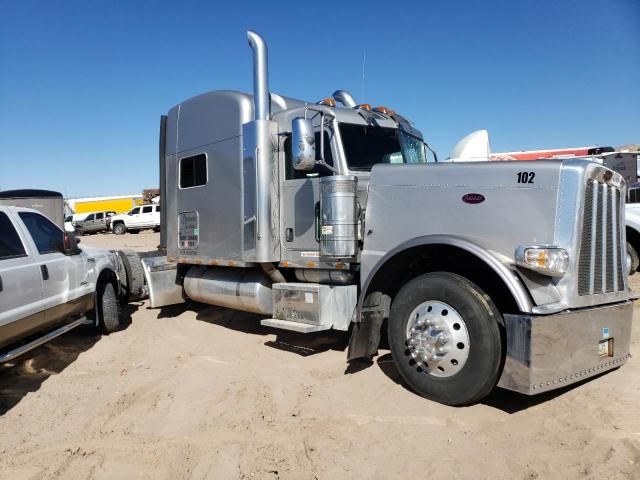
(89, 218)
(46, 235)
(135, 211)
(99, 216)
(147, 209)
(10, 244)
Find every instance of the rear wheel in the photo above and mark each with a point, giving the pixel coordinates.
(635, 258)
(445, 338)
(108, 308)
(119, 229)
(133, 286)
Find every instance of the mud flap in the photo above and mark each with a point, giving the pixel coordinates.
(365, 336)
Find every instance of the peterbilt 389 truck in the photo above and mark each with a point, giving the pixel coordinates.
(329, 215)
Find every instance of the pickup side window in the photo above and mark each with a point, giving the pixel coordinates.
(46, 235)
(99, 216)
(193, 171)
(89, 218)
(157, 208)
(10, 244)
(135, 211)
(148, 209)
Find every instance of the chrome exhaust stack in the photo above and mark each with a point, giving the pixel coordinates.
(345, 98)
(261, 97)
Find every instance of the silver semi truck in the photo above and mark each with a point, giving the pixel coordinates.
(329, 215)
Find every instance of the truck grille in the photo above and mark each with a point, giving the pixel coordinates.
(602, 255)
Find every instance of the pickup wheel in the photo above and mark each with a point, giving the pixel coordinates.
(119, 229)
(445, 338)
(635, 259)
(108, 308)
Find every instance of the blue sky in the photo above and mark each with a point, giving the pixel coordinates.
(82, 84)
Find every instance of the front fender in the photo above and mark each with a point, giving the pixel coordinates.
(510, 279)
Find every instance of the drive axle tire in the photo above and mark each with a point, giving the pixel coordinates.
(134, 282)
(444, 335)
(108, 308)
(119, 229)
(635, 259)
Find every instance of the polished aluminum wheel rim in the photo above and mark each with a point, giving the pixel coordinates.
(438, 339)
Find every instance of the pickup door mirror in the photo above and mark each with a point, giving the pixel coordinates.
(303, 144)
(70, 244)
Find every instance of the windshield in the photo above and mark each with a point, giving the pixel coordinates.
(365, 146)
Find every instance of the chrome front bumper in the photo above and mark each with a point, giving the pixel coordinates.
(545, 352)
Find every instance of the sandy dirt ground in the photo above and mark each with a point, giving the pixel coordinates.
(201, 392)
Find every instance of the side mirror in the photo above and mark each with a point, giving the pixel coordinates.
(70, 244)
(303, 144)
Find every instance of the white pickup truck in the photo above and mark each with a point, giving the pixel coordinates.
(48, 284)
(140, 218)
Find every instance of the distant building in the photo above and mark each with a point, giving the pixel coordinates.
(116, 203)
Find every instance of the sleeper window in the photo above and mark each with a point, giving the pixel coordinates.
(193, 171)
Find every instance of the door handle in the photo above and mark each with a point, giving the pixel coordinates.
(316, 221)
(45, 272)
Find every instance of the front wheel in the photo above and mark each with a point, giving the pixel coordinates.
(108, 308)
(445, 338)
(119, 229)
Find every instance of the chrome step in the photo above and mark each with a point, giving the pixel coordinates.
(293, 326)
(11, 354)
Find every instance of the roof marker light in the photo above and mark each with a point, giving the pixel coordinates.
(328, 101)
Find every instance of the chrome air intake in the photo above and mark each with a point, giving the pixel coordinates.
(338, 217)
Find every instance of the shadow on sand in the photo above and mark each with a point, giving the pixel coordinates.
(303, 344)
(501, 399)
(26, 373)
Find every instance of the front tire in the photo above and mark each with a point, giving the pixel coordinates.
(444, 336)
(635, 258)
(108, 309)
(119, 229)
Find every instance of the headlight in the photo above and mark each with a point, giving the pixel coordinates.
(552, 261)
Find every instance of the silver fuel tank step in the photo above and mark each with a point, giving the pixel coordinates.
(243, 289)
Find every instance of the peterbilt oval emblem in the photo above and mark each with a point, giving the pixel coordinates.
(473, 198)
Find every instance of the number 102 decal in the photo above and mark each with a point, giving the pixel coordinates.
(526, 177)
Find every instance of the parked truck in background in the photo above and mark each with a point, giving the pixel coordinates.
(328, 215)
(48, 284)
(144, 217)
